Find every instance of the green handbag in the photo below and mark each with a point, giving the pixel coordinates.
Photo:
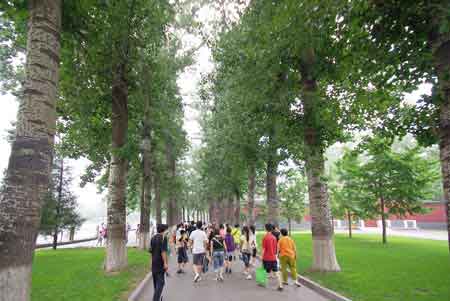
(261, 276)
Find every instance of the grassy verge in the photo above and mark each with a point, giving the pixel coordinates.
(77, 274)
(406, 269)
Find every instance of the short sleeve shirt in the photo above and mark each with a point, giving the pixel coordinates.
(269, 245)
(198, 238)
(158, 246)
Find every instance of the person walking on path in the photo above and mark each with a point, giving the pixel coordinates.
(198, 241)
(246, 251)
(218, 247)
(288, 257)
(159, 249)
(182, 242)
(230, 247)
(269, 254)
(236, 232)
(222, 231)
(253, 244)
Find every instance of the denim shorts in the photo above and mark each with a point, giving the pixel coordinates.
(246, 259)
(218, 259)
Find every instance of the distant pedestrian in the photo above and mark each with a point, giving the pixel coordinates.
(230, 247)
(269, 254)
(159, 248)
(198, 241)
(276, 232)
(236, 232)
(246, 251)
(222, 231)
(138, 234)
(218, 247)
(182, 243)
(288, 257)
(253, 244)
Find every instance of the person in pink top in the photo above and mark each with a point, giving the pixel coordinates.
(269, 254)
(222, 231)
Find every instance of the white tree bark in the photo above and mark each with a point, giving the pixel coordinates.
(27, 177)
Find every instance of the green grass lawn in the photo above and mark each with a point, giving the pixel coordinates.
(405, 269)
(77, 274)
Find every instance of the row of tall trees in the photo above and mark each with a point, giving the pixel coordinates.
(293, 77)
(104, 76)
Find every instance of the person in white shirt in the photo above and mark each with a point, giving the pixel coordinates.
(198, 241)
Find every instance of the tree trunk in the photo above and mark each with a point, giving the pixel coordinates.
(229, 210)
(172, 210)
(116, 252)
(158, 209)
(212, 212)
(251, 193)
(383, 220)
(237, 209)
(290, 226)
(220, 211)
(324, 255)
(27, 177)
(441, 51)
(273, 213)
(349, 217)
(55, 238)
(58, 204)
(144, 242)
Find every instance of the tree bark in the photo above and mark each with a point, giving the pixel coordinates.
(383, 219)
(237, 209)
(441, 54)
(324, 255)
(251, 193)
(221, 211)
(27, 177)
(116, 252)
(144, 242)
(290, 226)
(158, 209)
(58, 204)
(349, 218)
(229, 210)
(172, 210)
(273, 212)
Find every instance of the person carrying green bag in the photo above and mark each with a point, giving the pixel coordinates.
(261, 276)
(269, 254)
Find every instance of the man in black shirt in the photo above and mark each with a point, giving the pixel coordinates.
(159, 248)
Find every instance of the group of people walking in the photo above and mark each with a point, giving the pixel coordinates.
(222, 246)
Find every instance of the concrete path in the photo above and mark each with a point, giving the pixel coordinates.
(234, 288)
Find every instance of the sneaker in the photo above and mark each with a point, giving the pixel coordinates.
(280, 288)
(179, 271)
(297, 283)
(286, 283)
(249, 277)
(197, 278)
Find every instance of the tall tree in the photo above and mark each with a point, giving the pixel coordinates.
(394, 183)
(293, 195)
(60, 208)
(27, 176)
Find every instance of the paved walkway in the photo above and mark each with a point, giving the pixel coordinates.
(234, 288)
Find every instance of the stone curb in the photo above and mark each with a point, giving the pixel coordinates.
(327, 293)
(134, 296)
